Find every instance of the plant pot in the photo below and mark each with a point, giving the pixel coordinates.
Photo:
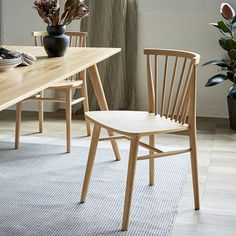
(232, 112)
(56, 42)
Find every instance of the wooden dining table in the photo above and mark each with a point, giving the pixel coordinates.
(24, 81)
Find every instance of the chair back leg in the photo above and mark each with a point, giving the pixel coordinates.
(194, 166)
(151, 161)
(41, 112)
(68, 119)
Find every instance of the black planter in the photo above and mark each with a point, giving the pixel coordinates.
(56, 42)
(232, 112)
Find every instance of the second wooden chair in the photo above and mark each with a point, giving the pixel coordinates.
(77, 39)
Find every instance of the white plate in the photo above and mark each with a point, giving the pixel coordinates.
(10, 61)
(8, 67)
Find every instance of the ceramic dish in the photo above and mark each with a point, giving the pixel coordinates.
(10, 61)
(5, 67)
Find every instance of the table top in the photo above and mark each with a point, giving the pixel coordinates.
(25, 81)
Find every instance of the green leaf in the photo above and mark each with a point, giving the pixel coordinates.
(217, 63)
(222, 43)
(227, 44)
(232, 91)
(222, 26)
(216, 80)
(230, 44)
(227, 34)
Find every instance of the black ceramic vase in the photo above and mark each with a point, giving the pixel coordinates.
(56, 42)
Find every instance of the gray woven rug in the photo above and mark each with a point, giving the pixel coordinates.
(41, 187)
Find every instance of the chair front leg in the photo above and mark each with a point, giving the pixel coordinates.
(68, 118)
(41, 112)
(151, 161)
(90, 163)
(194, 165)
(18, 123)
(130, 181)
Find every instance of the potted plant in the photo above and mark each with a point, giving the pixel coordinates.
(56, 43)
(227, 67)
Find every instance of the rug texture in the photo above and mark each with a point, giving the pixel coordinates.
(41, 187)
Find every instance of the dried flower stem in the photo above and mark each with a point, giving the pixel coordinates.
(49, 11)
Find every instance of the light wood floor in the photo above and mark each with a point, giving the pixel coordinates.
(217, 170)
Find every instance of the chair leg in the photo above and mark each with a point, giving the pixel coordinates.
(18, 123)
(91, 157)
(130, 181)
(151, 161)
(86, 105)
(41, 112)
(114, 146)
(68, 118)
(194, 165)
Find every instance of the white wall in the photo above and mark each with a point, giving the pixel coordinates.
(181, 24)
(20, 19)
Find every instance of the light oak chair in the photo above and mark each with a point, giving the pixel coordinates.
(77, 39)
(171, 79)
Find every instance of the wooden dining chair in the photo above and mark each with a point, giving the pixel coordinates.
(171, 80)
(77, 39)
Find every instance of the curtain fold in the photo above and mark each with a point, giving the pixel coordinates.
(113, 23)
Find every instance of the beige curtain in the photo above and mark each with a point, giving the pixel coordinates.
(113, 23)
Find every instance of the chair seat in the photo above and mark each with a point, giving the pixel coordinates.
(66, 83)
(135, 122)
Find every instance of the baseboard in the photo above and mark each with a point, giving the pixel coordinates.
(212, 111)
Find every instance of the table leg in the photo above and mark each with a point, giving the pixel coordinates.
(102, 102)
